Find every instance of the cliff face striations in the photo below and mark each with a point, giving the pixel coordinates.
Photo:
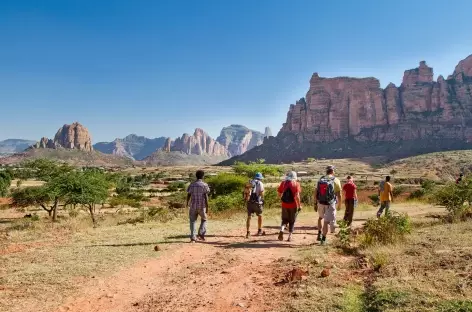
(353, 117)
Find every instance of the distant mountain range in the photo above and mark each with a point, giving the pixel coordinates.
(12, 146)
(198, 148)
(132, 146)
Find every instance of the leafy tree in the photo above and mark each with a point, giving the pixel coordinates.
(36, 196)
(225, 184)
(85, 188)
(251, 168)
(45, 169)
(5, 181)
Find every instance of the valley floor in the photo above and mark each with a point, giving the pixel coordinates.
(115, 268)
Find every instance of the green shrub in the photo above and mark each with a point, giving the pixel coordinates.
(455, 306)
(252, 168)
(226, 183)
(453, 196)
(177, 198)
(226, 202)
(306, 196)
(271, 198)
(34, 217)
(398, 190)
(375, 199)
(384, 300)
(388, 229)
(176, 186)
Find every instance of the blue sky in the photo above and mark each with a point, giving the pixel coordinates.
(161, 68)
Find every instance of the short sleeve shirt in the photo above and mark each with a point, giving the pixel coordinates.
(337, 185)
(349, 189)
(296, 189)
(385, 195)
(197, 191)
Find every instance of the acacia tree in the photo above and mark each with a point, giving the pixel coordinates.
(87, 188)
(5, 181)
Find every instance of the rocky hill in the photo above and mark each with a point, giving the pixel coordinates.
(198, 148)
(12, 146)
(132, 146)
(355, 117)
(239, 139)
(74, 136)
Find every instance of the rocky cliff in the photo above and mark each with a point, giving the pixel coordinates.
(200, 143)
(239, 139)
(74, 136)
(132, 146)
(353, 117)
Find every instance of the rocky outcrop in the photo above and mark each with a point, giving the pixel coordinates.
(167, 145)
(267, 132)
(74, 136)
(346, 117)
(132, 146)
(239, 139)
(200, 143)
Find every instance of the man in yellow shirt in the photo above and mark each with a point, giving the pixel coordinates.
(385, 196)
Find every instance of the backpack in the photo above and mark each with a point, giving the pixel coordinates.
(381, 186)
(287, 195)
(325, 191)
(254, 197)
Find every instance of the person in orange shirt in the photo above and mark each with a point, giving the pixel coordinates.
(289, 193)
(386, 197)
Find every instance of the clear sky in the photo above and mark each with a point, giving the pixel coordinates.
(162, 68)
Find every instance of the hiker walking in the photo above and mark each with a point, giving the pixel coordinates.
(197, 195)
(385, 196)
(350, 199)
(328, 196)
(289, 193)
(254, 197)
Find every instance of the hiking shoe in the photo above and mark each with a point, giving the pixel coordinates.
(323, 242)
(318, 238)
(259, 232)
(192, 241)
(248, 234)
(201, 237)
(289, 239)
(281, 236)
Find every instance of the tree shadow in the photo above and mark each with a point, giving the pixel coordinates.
(217, 236)
(8, 220)
(134, 244)
(255, 244)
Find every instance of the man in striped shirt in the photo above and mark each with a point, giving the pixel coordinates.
(197, 195)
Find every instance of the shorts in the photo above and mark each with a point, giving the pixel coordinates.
(327, 212)
(254, 208)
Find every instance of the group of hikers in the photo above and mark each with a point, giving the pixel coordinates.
(328, 194)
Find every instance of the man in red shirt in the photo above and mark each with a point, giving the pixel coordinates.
(350, 195)
(289, 193)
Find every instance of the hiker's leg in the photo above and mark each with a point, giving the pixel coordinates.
(248, 223)
(291, 222)
(192, 218)
(387, 208)
(321, 212)
(381, 209)
(330, 216)
(285, 219)
(346, 211)
(349, 211)
(259, 222)
(325, 228)
(203, 222)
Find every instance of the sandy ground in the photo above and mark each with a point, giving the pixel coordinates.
(225, 273)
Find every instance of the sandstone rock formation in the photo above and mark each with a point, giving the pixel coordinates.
(167, 145)
(267, 132)
(238, 139)
(200, 143)
(74, 136)
(347, 117)
(131, 146)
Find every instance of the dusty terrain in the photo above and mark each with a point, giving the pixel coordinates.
(116, 268)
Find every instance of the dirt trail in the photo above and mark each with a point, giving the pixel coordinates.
(225, 273)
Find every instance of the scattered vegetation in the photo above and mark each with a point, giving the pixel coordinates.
(457, 198)
(225, 184)
(5, 181)
(387, 229)
(251, 168)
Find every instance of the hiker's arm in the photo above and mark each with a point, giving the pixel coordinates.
(206, 201)
(355, 194)
(297, 200)
(188, 198)
(339, 198)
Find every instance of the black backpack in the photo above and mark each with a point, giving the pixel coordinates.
(287, 195)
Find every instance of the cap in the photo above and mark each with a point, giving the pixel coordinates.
(330, 168)
(258, 176)
(291, 176)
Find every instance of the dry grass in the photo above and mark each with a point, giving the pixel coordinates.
(431, 271)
